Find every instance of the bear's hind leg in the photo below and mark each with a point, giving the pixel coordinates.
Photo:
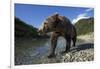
(74, 41)
(68, 44)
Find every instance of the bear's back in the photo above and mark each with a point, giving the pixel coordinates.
(69, 28)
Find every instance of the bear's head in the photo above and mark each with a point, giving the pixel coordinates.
(49, 24)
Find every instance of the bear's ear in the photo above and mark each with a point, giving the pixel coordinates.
(56, 14)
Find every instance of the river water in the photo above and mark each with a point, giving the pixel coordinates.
(30, 51)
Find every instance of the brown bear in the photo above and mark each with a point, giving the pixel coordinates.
(59, 26)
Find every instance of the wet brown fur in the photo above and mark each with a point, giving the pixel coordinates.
(59, 26)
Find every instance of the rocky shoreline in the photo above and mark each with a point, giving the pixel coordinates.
(84, 51)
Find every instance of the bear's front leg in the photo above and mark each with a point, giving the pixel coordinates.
(54, 37)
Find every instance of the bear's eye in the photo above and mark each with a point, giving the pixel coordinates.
(45, 23)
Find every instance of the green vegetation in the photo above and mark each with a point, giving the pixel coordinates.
(85, 26)
(24, 30)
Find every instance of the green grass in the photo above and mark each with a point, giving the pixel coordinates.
(85, 26)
